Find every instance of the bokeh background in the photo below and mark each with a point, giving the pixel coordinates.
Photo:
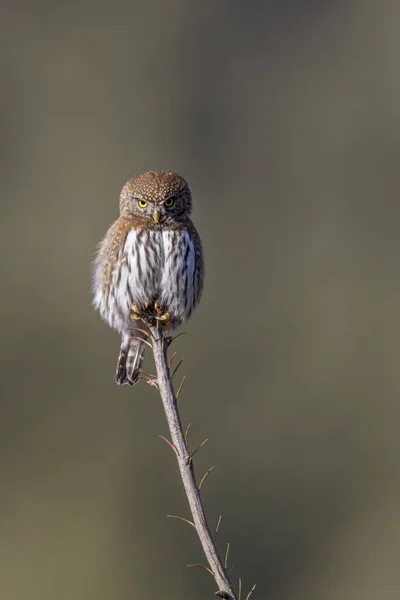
(285, 119)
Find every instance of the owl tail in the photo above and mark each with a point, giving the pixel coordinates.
(130, 360)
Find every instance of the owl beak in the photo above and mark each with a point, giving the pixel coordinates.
(156, 215)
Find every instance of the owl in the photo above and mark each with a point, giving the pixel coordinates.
(149, 267)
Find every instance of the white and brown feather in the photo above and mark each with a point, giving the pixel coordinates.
(140, 262)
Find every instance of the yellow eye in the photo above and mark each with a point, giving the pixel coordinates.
(170, 202)
(142, 203)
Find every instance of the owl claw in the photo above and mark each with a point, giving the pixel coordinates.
(142, 312)
(135, 313)
(138, 312)
(164, 318)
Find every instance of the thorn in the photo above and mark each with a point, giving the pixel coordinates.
(240, 589)
(202, 567)
(151, 333)
(171, 359)
(143, 376)
(148, 374)
(198, 448)
(172, 339)
(227, 554)
(170, 444)
(250, 592)
(230, 569)
(187, 433)
(166, 339)
(205, 476)
(135, 337)
(182, 519)
(176, 368)
(153, 382)
(217, 528)
(146, 333)
(180, 387)
(150, 381)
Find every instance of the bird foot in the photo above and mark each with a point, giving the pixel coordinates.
(135, 313)
(140, 311)
(151, 314)
(164, 318)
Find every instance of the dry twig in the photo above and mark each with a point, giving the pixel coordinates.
(185, 463)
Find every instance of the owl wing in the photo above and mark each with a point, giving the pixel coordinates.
(108, 266)
(198, 274)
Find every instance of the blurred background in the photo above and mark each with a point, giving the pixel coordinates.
(285, 119)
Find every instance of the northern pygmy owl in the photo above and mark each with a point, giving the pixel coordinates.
(150, 264)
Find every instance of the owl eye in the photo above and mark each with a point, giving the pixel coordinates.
(142, 203)
(170, 202)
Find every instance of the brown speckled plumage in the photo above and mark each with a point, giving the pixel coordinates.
(150, 261)
(152, 186)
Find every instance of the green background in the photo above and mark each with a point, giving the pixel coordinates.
(285, 119)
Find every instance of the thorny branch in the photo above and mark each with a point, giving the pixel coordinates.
(179, 445)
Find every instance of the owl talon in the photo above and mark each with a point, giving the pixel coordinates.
(164, 318)
(135, 313)
(139, 312)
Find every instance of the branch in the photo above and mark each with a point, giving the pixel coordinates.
(186, 469)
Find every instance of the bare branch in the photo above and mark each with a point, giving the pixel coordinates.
(185, 463)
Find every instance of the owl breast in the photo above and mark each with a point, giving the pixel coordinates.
(152, 265)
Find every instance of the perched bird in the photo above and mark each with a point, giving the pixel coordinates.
(150, 264)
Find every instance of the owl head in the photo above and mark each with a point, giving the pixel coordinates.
(159, 197)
